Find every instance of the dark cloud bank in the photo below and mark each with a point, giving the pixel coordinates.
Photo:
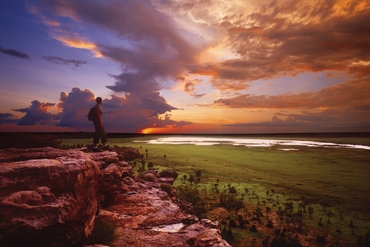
(14, 53)
(129, 114)
(63, 61)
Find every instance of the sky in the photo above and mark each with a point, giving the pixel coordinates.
(178, 66)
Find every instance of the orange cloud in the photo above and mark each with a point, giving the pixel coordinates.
(80, 44)
(350, 95)
(52, 23)
(76, 43)
(288, 38)
(254, 30)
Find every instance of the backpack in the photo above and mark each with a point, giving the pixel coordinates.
(91, 115)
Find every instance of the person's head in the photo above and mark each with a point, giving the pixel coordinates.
(99, 100)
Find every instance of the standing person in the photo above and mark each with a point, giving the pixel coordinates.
(99, 126)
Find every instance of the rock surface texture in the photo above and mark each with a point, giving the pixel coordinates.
(52, 197)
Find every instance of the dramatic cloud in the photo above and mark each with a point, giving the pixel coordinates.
(14, 53)
(153, 51)
(37, 114)
(134, 113)
(352, 94)
(268, 41)
(75, 106)
(190, 87)
(60, 60)
(129, 114)
(215, 51)
(287, 38)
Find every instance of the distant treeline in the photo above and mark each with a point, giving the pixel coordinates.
(27, 140)
(121, 135)
(51, 139)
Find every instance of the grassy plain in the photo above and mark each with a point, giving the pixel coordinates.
(338, 178)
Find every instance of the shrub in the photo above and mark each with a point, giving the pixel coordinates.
(320, 239)
(232, 223)
(189, 194)
(104, 233)
(286, 242)
(269, 224)
(166, 187)
(253, 228)
(227, 233)
(265, 241)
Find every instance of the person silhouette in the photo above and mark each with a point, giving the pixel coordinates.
(100, 133)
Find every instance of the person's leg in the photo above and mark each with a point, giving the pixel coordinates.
(96, 136)
(103, 136)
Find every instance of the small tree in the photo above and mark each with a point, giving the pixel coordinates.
(150, 165)
(310, 211)
(198, 173)
(191, 179)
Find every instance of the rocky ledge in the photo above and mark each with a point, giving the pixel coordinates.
(53, 197)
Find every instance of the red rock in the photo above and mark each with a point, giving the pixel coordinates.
(50, 197)
(42, 198)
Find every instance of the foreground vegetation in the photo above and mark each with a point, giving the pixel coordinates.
(266, 196)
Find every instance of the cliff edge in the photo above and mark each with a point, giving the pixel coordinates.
(53, 197)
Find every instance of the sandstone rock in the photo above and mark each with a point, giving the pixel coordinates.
(147, 216)
(48, 202)
(97, 245)
(127, 153)
(166, 180)
(13, 154)
(50, 197)
(150, 177)
(104, 159)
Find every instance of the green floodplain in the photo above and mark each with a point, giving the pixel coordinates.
(333, 182)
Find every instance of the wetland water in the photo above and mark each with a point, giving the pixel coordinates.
(250, 142)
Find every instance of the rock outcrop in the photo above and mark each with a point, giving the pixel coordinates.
(48, 201)
(52, 197)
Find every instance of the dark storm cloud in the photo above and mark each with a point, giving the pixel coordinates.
(6, 118)
(130, 113)
(63, 61)
(151, 55)
(156, 103)
(37, 114)
(75, 106)
(136, 113)
(154, 52)
(14, 53)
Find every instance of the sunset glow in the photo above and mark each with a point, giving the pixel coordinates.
(205, 67)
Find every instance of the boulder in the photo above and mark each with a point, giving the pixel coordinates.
(48, 202)
(127, 153)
